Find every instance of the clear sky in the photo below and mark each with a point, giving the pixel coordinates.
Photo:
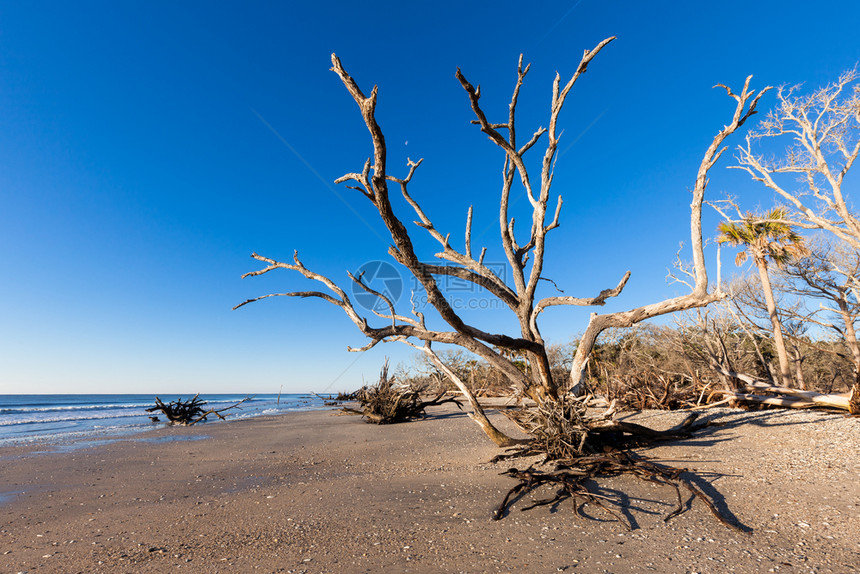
(148, 148)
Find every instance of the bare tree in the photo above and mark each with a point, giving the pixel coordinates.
(823, 133)
(754, 309)
(525, 257)
(828, 275)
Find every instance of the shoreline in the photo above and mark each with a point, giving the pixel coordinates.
(64, 421)
(313, 492)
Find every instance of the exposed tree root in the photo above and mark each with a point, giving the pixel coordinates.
(187, 413)
(389, 402)
(406, 408)
(572, 482)
(585, 448)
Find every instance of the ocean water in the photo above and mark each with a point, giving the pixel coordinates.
(54, 419)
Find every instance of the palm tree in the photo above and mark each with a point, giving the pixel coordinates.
(766, 238)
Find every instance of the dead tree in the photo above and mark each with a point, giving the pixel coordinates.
(821, 132)
(525, 257)
(187, 413)
(390, 401)
(828, 275)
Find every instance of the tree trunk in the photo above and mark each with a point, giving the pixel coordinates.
(854, 398)
(477, 414)
(850, 333)
(778, 341)
(793, 402)
(797, 359)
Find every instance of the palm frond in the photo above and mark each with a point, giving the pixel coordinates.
(768, 236)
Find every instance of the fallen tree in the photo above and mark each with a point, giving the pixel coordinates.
(389, 401)
(763, 393)
(187, 413)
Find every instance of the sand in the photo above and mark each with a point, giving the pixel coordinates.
(313, 492)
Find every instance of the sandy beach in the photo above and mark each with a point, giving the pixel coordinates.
(315, 492)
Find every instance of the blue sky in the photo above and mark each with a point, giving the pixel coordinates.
(148, 148)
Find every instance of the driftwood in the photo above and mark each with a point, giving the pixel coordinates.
(757, 391)
(585, 447)
(187, 413)
(763, 393)
(333, 401)
(793, 399)
(344, 396)
(408, 405)
(389, 401)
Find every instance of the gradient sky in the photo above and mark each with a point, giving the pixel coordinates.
(148, 148)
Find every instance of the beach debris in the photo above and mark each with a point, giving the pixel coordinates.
(583, 447)
(335, 400)
(344, 396)
(760, 392)
(389, 401)
(187, 413)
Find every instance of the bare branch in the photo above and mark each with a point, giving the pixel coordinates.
(747, 101)
(599, 300)
(822, 134)
(469, 233)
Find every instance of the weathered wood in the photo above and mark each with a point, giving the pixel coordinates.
(854, 399)
(187, 413)
(477, 414)
(389, 402)
(762, 392)
(791, 400)
(572, 477)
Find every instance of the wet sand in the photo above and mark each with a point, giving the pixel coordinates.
(313, 492)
